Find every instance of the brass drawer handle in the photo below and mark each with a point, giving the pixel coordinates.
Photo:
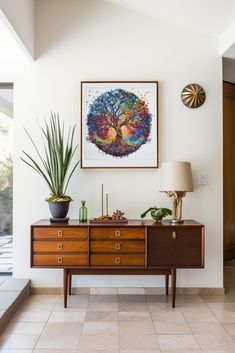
(60, 233)
(117, 233)
(117, 260)
(117, 246)
(60, 246)
(60, 260)
(174, 235)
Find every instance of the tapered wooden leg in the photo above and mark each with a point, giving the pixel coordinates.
(70, 284)
(65, 287)
(167, 283)
(173, 285)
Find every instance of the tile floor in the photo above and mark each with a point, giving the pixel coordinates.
(125, 324)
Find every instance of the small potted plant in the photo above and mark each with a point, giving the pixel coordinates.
(54, 164)
(157, 213)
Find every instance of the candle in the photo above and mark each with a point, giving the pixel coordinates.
(107, 204)
(102, 199)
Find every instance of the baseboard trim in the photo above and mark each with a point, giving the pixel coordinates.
(134, 290)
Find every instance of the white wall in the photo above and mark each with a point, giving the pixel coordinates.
(229, 70)
(19, 17)
(91, 40)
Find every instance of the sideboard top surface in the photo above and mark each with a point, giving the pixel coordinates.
(131, 223)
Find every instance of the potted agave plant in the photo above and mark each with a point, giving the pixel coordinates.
(54, 164)
(157, 213)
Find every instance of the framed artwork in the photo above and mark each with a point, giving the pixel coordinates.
(119, 124)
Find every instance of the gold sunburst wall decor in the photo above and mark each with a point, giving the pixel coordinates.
(193, 95)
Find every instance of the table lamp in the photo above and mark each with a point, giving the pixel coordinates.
(176, 180)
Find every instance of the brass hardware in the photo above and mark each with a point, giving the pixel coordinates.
(117, 246)
(60, 233)
(60, 260)
(193, 95)
(117, 233)
(117, 260)
(174, 235)
(60, 246)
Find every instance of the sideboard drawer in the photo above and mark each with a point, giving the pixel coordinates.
(117, 233)
(60, 233)
(115, 246)
(60, 246)
(180, 247)
(117, 260)
(60, 260)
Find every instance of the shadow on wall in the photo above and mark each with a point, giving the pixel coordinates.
(62, 17)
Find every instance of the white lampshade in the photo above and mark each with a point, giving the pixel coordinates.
(176, 176)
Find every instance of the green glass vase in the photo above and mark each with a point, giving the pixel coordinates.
(83, 212)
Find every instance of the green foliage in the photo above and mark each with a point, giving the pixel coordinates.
(157, 212)
(6, 181)
(54, 164)
(59, 199)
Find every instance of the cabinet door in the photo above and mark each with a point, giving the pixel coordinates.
(180, 247)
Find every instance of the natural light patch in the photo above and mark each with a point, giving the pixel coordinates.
(6, 149)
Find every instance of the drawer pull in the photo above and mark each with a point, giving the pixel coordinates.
(174, 235)
(117, 246)
(117, 260)
(117, 233)
(60, 260)
(60, 233)
(60, 246)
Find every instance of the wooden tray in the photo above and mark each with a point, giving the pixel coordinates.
(108, 221)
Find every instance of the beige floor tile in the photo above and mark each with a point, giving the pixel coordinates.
(134, 328)
(143, 342)
(28, 316)
(76, 298)
(54, 351)
(143, 316)
(230, 328)
(18, 341)
(24, 328)
(177, 342)
(70, 316)
(99, 343)
(188, 298)
(167, 306)
(71, 306)
(131, 291)
(225, 317)
(158, 298)
(198, 315)
(101, 316)
(98, 351)
(133, 306)
(210, 342)
(215, 298)
(102, 307)
(38, 305)
(196, 350)
(172, 328)
(222, 307)
(60, 336)
(103, 298)
(100, 328)
(139, 351)
(207, 328)
(168, 316)
(131, 298)
(16, 350)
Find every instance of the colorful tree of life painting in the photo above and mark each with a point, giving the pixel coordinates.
(119, 122)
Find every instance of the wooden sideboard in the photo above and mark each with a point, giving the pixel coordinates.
(136, 248)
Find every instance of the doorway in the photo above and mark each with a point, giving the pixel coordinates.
(6, 177)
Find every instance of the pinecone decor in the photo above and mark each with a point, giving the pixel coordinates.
(118, 215)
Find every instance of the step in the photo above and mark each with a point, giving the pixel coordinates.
(13, 291)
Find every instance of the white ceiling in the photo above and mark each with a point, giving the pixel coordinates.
(206, 16)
